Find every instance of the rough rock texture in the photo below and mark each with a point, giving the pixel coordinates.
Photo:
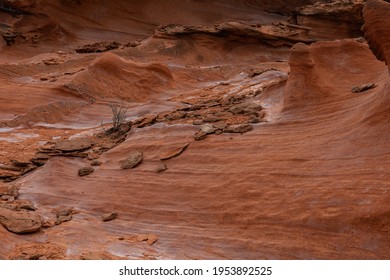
(343, 15)
(73, 145)
(20, 221)
(134, 159)
(290, 161)
(377, 27)
(276, 34)
(84, 171)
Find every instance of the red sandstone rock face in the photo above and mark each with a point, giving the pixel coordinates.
(377, 27)
(250, 148)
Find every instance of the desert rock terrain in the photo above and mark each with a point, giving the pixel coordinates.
(245, 129)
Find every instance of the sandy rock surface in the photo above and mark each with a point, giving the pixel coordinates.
(246, 129)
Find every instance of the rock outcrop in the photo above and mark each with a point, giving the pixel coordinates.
(324, 18)
(377, 27)
(20, 221)
(244, 127)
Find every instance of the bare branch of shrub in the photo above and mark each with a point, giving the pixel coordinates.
(119, 115)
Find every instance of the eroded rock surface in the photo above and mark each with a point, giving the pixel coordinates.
(20, 221)
(291, 160)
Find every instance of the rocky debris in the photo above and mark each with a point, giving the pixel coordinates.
(20, 221)
(10, 172)
(8, 176)
(64, 212)
(237, 107)
(52, 61)
(176, 116)
(79, 144)
(63, 215)
(25, 205)
(20, 164)
(345, 15)
(133, 44)
(7, 191)
(96, 162)
(109, 216)
(200, 135)
(211, 119)
(118, 131)
(98, 47)
(10, 167)
(246, 108)
(204, 131)
(52, 76)
(16, 205)
(256, 72)
(68, 148)
(133, 160)
(277, 34)
(124, 128)
(233, 99)
(94, 154)
(161, 167)
(149, 238)
(241, 128)
(40, 158)
(361, 88)
(8, 198)
(84, 171)
(88, 147)
(63, 219)
(38, 251)
(146, 121)
(345, 10)
(174, 153)
(254, 119)
(220, 125)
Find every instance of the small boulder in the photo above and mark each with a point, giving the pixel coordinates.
(63, 215)
(246, 109)
(148, 238)
(73, 145)
(20, 221)
(96, 162)
(211, 119)
(64, 212)
(161, 167)
(200, 135)
(134, 159)
(152, 238)
(84, 171)
(240, 128)
(63, 219)
(197, 122)
(219, 125)
(109, 216)
(204, 131)
(208, 129)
